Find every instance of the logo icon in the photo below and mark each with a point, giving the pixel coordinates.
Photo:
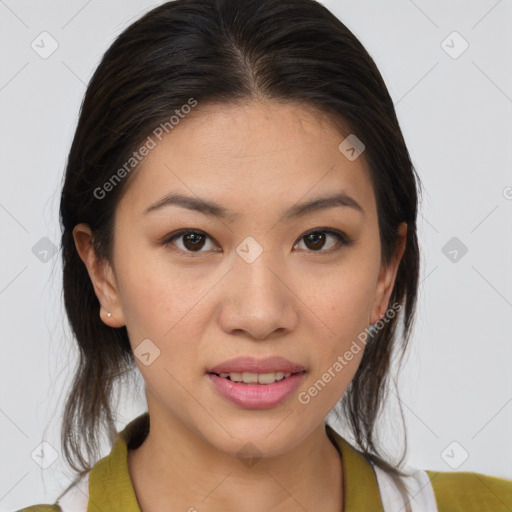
(351, 147)
(454, 249)
(454, 45)
(249, 249)
(146, 352)
(44, 455)
(249, 455)
(44, 250)
(44, 45)
(454, 455)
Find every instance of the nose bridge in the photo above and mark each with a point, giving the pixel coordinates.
(256, 271)
(257, 301)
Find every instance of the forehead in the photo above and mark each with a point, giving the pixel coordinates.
(249, 156)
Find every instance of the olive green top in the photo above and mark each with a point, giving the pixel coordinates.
(111, 489)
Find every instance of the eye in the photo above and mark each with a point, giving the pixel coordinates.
(192, 240)
(316, 240)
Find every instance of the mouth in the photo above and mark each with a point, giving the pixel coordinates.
(249, 390)
(256, 383)
(256, 378)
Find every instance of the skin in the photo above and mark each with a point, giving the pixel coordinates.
(257, 159)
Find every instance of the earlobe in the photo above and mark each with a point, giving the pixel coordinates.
(101, 275)
(109, 319)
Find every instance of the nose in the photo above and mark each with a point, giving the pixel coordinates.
(258, 301)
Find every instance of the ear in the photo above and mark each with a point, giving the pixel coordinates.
(102, 277)
(387, 278)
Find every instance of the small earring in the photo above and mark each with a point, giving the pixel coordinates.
(109, 314)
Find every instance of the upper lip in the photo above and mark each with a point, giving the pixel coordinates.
(256, 365)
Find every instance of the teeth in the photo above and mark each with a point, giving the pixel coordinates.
(253, 378)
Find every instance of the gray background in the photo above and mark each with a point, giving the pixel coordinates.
(455, 113)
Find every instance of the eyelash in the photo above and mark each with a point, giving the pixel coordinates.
(342, 240)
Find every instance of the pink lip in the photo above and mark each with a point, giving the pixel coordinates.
(257, 396)
(254, 365)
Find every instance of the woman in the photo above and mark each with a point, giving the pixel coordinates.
(239, 224)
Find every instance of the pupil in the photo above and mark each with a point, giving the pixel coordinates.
(317, 239)
(191, 239)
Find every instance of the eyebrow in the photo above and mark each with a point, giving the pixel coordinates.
(213, 209)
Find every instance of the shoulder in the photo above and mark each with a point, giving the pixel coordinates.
(463, 491)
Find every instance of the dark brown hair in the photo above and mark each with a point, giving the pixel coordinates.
(219, 51)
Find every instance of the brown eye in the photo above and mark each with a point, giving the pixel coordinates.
(316, 240)
(191, 240)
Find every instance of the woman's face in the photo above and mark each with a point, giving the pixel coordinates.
(249, 283)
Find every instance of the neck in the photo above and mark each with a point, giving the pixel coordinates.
(177, 469)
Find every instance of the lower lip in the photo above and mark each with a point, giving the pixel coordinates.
(257, 396)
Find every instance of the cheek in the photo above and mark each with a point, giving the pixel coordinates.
(154, 292)
(149, 308)
(166, 305)
(341, 305)
(342, 298)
